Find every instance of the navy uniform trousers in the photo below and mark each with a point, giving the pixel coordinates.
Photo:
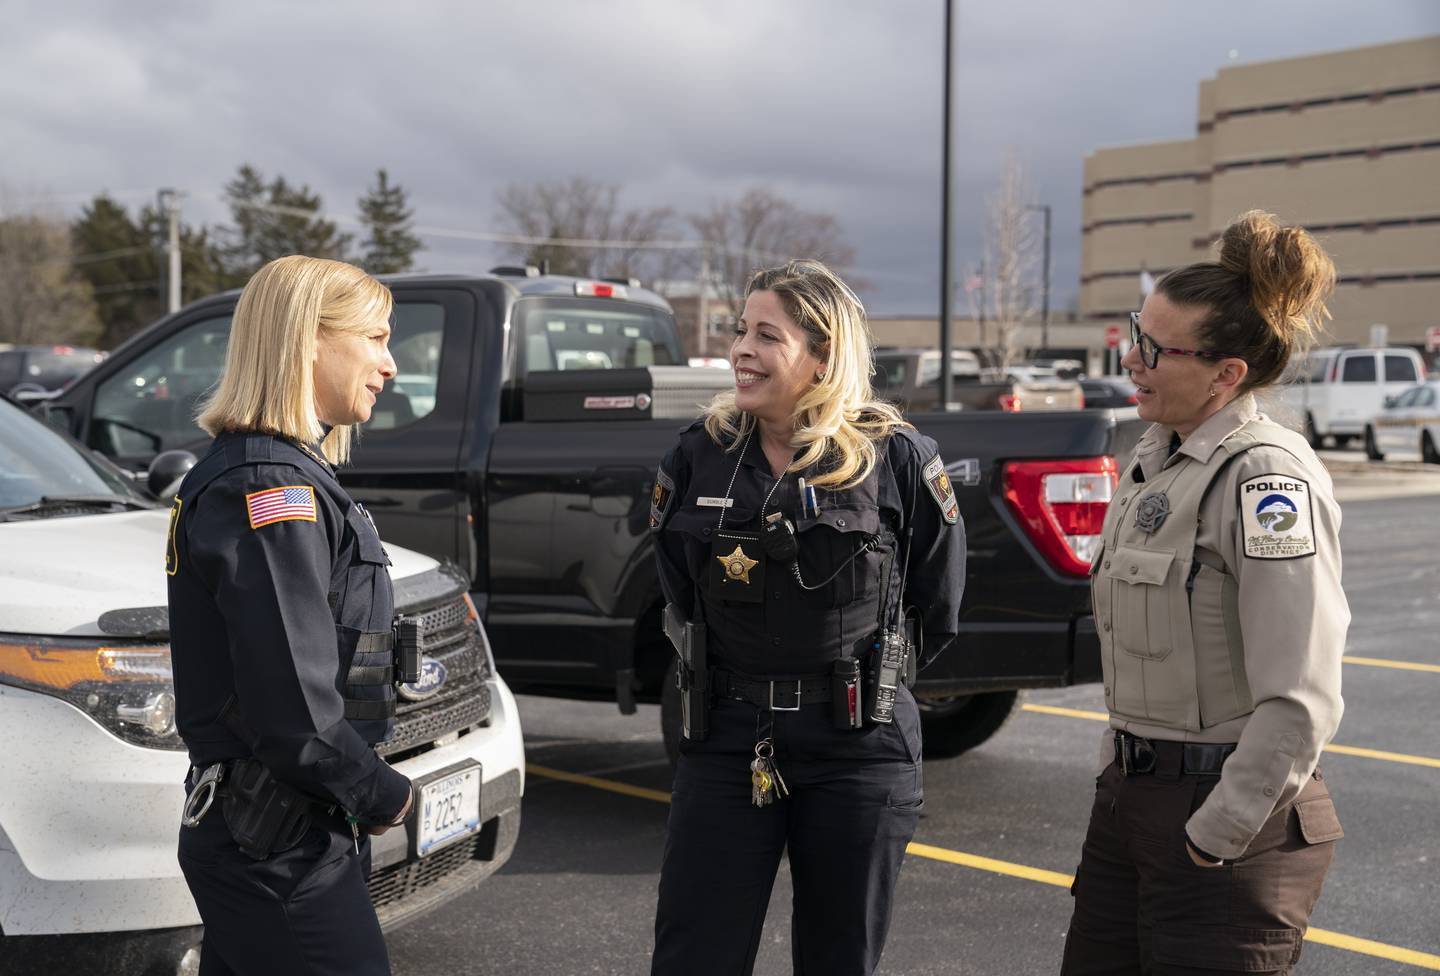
(855, 798)
(305, 910)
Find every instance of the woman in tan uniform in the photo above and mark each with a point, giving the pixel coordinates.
(1222, 623)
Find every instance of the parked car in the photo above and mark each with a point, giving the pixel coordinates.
(27, 372)
(92, 768)
(535, 478)
(910, 377)
(1335, 391)
(1108, 391)
(1409, 424)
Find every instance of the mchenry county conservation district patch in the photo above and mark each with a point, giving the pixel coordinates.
(940, 489)
(1277, 517)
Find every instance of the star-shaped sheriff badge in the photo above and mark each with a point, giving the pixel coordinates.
(738, 565)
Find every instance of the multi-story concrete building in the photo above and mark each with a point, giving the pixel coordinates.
(1346, 144)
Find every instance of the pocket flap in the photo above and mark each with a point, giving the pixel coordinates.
(1130, 564)
(367, 539)
(866, 520)
(1318, 821)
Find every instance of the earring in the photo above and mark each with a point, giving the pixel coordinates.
(1212, 391)
(819, 375)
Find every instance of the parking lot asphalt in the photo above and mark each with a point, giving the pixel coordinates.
(579, 894)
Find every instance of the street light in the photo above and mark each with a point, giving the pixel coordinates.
(1045, 285)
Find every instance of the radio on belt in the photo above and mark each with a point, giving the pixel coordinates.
(407, 650)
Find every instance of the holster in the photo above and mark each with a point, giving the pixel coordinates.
(692, 676)
(264, 815)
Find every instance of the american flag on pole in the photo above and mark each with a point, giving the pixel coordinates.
(290, 503)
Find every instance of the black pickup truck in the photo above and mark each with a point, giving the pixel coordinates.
(519, 441)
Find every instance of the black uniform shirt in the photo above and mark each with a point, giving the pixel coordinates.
(793, 629)
(278, 587)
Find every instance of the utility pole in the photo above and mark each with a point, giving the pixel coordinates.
(170, 206)
(946, 387)
(1045, 283)
(701, 325)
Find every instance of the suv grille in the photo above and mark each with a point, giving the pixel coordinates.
(390, 885)
(449, 636)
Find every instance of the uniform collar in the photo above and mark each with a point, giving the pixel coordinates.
(1153, 448)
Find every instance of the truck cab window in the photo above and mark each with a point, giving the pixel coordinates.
(1358, 369)
(416, 337)
(149, 406)
(1400, 369)
(566, 334)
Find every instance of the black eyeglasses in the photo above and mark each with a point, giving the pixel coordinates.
(1150, 350)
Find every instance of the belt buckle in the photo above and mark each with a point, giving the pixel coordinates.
(776, 708)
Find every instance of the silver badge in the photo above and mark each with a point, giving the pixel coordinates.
(1152, 511)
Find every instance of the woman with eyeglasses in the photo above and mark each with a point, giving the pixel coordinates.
(1222, 624)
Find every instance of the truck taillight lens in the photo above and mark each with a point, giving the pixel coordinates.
(599, 289)
(1061, 504)
(1010, 402)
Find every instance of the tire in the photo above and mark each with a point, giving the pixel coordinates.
(1372, 450)
(1428, 452)
(955, 725)
(1311, 434)
(670, 714)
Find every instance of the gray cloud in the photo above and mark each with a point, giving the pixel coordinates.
(835, 104)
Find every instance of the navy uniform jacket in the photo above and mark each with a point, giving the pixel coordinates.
(792, 631)
(280, 612)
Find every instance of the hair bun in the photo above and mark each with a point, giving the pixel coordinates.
(1289, 276)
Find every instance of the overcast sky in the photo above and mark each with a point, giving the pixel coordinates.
(834, 104)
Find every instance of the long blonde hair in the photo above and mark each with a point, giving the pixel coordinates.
(269, 381)
(838, 420)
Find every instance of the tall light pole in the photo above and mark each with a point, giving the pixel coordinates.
(946, 387)
(170, 207)
(1045, 284)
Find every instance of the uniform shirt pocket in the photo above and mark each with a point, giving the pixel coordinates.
(830, 548)
(1140, 600)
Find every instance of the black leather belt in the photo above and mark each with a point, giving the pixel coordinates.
(1137, 756)
(781, 695)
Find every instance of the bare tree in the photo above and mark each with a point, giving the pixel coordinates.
(1011, 255)
(42, 298)
(762, 228)
(579, 227)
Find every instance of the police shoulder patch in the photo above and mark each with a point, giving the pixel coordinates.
(660, 499)
(940, 489)
(1277, 517)
(289, 503)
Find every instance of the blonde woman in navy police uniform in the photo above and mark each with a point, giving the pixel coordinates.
(786, 525)
(1222, 624)
(280, 621)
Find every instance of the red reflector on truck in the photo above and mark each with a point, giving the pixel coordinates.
(1061, 505)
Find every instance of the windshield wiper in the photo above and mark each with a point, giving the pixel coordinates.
(51, 503)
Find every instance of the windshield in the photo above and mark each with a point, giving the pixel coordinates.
(36, 462)
(576, 333)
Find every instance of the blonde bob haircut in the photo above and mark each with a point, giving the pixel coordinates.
(838, 420)
(268, 385)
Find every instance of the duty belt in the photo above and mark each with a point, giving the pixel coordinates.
(777, 695)
(1136, 755)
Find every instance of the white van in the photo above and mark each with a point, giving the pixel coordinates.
(1337, 390)
(92, 768)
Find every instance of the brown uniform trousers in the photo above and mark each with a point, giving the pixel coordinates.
(1143, 907)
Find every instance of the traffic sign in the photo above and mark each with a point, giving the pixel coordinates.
(1432, 338)
(1112, 336)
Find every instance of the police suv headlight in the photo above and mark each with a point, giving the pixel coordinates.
(126, 687)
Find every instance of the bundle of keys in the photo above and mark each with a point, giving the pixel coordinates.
(766, 783)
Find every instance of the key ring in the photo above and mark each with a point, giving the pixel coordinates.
(764, 749)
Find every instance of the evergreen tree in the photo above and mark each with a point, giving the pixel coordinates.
(389, 244)
(273, 219)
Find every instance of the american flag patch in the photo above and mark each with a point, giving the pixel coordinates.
(291, 503)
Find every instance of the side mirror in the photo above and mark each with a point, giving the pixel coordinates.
(166, 471)
(1389, 402)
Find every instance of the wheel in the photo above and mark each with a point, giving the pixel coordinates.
(953, 725)
(1342, 441)
(1428, 453)
(1311, 434)
(1372, 450)
(670, 714)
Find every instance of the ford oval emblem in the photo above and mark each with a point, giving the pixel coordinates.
(428, 685)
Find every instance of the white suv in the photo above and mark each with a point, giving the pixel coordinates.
(1336, 390)
(91, 771)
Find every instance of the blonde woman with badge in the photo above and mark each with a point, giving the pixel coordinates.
(1222, 624)
(794, 526)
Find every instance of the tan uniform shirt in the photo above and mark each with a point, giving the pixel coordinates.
(1266, 666)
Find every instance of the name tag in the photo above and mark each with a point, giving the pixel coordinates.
(714, 502)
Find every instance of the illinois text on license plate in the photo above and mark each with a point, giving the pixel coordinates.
(449, 809)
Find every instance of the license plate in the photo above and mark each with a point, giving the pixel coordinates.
(449, 809)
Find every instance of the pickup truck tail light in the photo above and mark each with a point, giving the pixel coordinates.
(1061, 505)
(600, 289)
(1010, 402)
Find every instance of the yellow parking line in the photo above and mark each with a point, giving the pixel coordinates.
(1382, 662)
(1381, 754)
(1351, 943)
